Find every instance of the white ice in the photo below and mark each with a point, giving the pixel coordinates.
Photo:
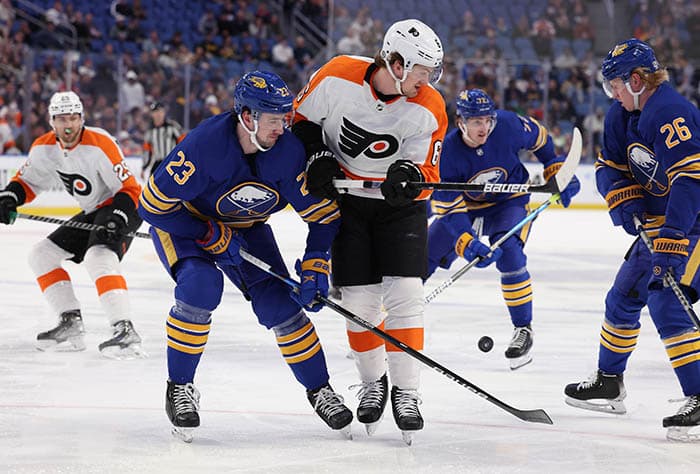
(79, 412)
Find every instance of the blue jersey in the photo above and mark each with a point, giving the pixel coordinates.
(207, 176)
(497, 161)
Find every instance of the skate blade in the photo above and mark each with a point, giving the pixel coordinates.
(350, 355)
(345, 431)
(521, 361)
(684, 434)
(614, 407)
(183, 434)
(408, 437)
(130, 352)
(72, 344)
(371, 428)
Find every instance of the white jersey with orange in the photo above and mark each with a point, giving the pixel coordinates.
(367, 134)
(92, 171)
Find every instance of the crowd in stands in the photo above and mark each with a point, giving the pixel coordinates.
(532, 56)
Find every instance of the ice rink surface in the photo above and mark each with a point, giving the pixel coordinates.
(79, 412)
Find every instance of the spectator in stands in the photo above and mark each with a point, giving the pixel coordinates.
(207, 23)
(542, 34)
(282, 52)
(350, 43)
(132, 93)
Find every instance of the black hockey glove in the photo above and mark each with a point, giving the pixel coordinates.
(113, 227)
(321, 169)
(8, 207)
(397, 188)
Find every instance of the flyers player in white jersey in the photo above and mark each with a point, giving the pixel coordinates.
(91, 167)
(381, 120)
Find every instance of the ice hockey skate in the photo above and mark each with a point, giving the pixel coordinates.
(329, 406)
(601, 392)
(404, 405)
(518, 351)
(68, 335)
(373, 396)
(125, 342)
(684, 426)
(182, 405)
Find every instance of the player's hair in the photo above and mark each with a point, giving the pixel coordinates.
(652, 79)
(393, 57)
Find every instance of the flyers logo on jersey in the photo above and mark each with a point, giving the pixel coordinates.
(646, 169)
(75, 184)
(246, 200)
(355, 140)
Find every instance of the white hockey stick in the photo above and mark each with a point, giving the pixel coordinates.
(555, 185)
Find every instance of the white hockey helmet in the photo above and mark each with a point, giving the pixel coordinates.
(417, 43)
(65, 103)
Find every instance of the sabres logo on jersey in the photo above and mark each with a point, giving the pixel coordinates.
(490, 175)
(647, 170)
(355, 140)
(75, 184)
(247, 200)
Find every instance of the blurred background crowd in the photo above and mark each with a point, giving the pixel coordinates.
(536, 57)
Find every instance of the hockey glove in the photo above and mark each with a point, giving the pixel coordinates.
(313, 271)
(470, 248)
(321, 168)
(223, 243)
(569, 191)
(8, 207)
(670, 251)
(113, 227)
(397, 188)
(624, 203)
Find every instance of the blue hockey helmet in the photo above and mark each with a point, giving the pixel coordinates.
(624, 58)
(262, 92)
(475, 103)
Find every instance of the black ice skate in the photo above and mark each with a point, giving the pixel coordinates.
(329, 406)
(601, 392)
(685, 424)
(518, 352)
(68, 335)
(181, 405)
(373, 396)
(124, 344)
(404, 404)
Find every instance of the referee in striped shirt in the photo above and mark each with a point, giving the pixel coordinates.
(162, 137)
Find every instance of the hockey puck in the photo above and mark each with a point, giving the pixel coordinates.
(485, 344)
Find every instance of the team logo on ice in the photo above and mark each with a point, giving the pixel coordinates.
(248, 200)
(355, 140)
(75, 184)
(647, 170)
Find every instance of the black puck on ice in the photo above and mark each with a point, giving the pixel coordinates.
(485, 344)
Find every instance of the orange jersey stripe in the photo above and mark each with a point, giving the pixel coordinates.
(110, 282)
(365, 341)
(54, 276)
(412, 337)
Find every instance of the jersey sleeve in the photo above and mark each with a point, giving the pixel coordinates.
(36, 174)
(678, 146)
(182, 177)
(112, 168)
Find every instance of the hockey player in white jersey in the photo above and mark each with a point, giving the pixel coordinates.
(379, 119)
(91, 167)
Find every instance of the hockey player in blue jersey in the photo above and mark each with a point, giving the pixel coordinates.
(484, 149)
(213, 195)
(649, 167)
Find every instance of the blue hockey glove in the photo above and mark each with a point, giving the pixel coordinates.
(569, 191)
(8, 207)
(396, 188)
(670, 251)
(624, 203)
(223, 243)
(313, 271)
(470, 248)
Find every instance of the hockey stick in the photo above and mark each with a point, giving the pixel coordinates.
(534, 416)
(459, 273)
(77, 225)
(555, 185)
(668, 278)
